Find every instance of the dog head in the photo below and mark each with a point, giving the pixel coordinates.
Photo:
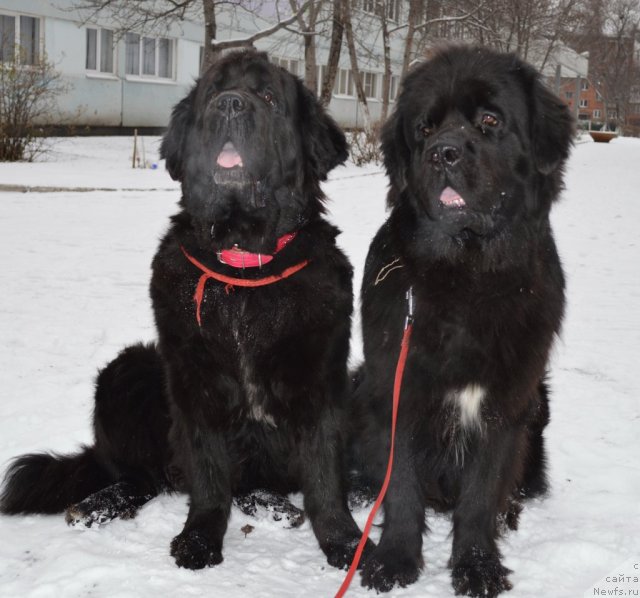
(476, 143)
(250, 145)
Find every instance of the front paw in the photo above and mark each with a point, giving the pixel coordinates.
(480, 573)
(340, 554)
(386, 568)
(192, 550)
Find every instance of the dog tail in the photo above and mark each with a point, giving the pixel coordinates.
(49, 483)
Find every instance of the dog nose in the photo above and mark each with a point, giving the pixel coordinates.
(230, 103)
(447, 155)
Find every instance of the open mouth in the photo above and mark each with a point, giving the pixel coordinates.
(450, 198)
(229, 157)
(229, 168)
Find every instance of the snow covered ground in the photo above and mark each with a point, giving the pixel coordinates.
(74, 276)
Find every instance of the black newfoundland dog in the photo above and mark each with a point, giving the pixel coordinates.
(475, 152)
(252, 301)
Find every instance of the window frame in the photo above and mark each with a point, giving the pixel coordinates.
(97, 71)
(290, 64)
(375, 8)
(394, 87)
(372, 84)
(140, 74)
(344, 76)
(37, 49)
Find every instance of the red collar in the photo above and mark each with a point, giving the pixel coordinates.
(239, 258)
(231, 282)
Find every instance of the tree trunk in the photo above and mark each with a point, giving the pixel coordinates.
(210, 54)
(355, 70)
(386, 78)
(415, 7)
(308, 35)
(337, 32)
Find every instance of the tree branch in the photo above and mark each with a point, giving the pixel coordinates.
(248, 41)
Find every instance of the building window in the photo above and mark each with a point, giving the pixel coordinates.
(7, 38)
(321, 71)
(369, 6)
(568, 95)
(597, 114)
(99, 50)
(20, 39)
(393, 10)
(393, 88)
(293, 66)
(585, 85)
(132, 54)
(369, 83)
(148, 56)
(390, 9)
(584, 103)
(343, 85)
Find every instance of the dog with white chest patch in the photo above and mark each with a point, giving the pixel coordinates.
(475, 152)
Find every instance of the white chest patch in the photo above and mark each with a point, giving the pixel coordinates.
(256, 410)
(468, 402)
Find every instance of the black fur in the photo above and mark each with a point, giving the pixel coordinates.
(489, 297)
(252, 398)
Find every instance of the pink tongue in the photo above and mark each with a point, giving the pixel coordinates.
(229, 156)
(452, 198)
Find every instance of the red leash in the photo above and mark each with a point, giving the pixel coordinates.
(397, 385)
(230, 281)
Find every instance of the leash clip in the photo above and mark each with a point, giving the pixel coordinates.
(409, 319)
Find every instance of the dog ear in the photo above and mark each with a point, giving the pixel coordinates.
(173, 141)
(396, 155)
(324, 142)
(552, 128)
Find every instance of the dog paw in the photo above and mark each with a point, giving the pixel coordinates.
(275, 506)
(120, 500)
(480, 573)
(192, 550)
(77, 515)
(340, 554)
(383, 570)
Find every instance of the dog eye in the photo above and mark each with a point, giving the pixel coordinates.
(489, 120)
(267, 96)
(426, 130)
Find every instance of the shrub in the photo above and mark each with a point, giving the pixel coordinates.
(365, 145)
(27, 97)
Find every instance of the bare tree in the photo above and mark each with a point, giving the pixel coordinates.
(415, 13)
(355, 67)
(386, 57)
(210, 30)
(530, 28)
(610, 40)
(335, 47)
(308, 30)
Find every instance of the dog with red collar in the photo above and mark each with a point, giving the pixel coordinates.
(252, 299)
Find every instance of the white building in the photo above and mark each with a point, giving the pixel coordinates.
(133, 80)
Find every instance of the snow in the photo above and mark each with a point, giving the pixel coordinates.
(74, 277)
